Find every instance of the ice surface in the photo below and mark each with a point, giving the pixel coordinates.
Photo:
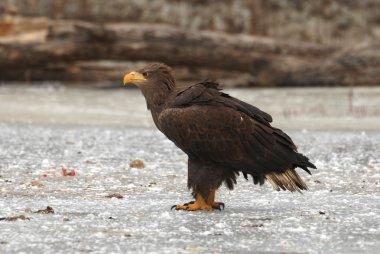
(340, 213)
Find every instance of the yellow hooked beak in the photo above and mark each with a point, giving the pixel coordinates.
(133, 77)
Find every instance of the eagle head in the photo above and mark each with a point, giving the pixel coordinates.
(152, 75)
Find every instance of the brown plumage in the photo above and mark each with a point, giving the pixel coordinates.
(221, 135)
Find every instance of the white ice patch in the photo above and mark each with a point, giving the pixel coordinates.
(45, 164)
(184, 229)
(297, 229)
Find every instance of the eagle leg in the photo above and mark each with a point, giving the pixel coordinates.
(201, 204)
(211, 200)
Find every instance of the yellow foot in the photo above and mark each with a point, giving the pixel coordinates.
(193, 206)
(199, 204)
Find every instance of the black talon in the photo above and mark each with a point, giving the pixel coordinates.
(219, 207)
(173, 207)
(216, 207)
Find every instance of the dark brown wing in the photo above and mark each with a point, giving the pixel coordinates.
(209, 92)
(211, 126)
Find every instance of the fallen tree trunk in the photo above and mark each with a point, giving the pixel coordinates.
(89, 52)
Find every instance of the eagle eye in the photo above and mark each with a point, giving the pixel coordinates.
(145, 74)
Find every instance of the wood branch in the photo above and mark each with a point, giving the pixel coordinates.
(61, 51)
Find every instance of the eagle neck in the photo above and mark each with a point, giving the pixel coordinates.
(156, 101)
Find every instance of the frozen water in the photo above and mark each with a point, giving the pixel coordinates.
(340, 213)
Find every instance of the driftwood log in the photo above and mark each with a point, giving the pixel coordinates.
(81, 51)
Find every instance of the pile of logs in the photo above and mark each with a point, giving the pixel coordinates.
(35, 49)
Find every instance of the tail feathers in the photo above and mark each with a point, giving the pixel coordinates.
(288, 180)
